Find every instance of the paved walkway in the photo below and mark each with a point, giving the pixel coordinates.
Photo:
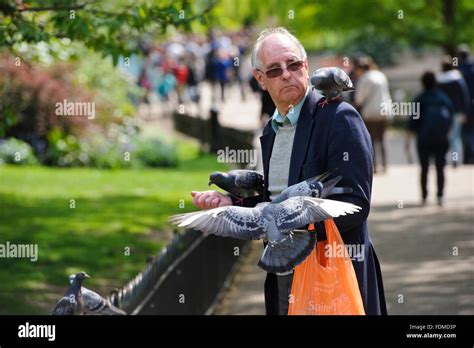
(426, 253)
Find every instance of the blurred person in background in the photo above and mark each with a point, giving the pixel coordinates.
(238, 56)
(451, 82)
(144, 82)
(466, 67)
(371, 93)
(222, 63)
(181, 72)
(267, 105)
(432, 131)
(192, 82)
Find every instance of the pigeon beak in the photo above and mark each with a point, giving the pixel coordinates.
(87, 276)
(210, 183)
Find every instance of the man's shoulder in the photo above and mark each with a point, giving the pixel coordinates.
(338, 109)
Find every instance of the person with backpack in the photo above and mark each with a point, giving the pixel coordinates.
(466, 67)
(451, 82)
(432, 127)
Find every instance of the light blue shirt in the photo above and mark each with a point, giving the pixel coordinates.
(291, 117)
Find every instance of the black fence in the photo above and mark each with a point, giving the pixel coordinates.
(188, 276)
(211, 134)
(185, 278)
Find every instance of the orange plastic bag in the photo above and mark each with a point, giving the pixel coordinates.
(326, 285)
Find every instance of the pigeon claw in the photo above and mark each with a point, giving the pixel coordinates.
(324, 102)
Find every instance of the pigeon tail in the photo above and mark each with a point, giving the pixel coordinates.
(322, 176)
(110, 309)
(340, 191)
(288, 253)
(329, 185)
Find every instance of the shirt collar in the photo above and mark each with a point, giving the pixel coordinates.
(291, 117)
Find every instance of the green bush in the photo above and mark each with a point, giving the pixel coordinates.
(108, 153)
(15, 151)
(65, 150)
(154, 152)
(124, 147)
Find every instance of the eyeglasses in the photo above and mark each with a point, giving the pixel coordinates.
(275, 72)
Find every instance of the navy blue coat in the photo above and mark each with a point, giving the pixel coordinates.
(333, 137)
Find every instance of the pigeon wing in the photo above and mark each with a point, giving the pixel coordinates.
(248, 180)
(229, 221)
(299, 211)
(342, 79)
(93, 302)
(65, 306)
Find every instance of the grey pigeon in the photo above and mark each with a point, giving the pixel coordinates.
(313, 187)
(239, 183)
(248, 183)
(72, 302)
(96, 304)
(273, 222)
(331, 82)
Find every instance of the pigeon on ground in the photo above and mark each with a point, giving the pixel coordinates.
(273, 222)
(239, 183)
(96, 304)
(331, 82)
(72, 303)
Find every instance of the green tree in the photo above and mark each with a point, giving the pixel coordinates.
(112, 27)
(329, 23)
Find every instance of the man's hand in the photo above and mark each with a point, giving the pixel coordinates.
(210, 199)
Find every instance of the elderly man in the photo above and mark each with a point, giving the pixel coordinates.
(304, 138)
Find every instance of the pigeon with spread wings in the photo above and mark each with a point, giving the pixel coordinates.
(277, 223)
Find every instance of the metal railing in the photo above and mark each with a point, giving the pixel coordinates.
(184, 278)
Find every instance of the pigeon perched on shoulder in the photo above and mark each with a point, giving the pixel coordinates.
(273, 222)
(72, 302)
(313, 187)
(96, 304)
(331, 82)
(239, 183)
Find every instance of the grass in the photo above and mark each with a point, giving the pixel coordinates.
(113, 210)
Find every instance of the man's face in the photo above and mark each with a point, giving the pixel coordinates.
(278, 51)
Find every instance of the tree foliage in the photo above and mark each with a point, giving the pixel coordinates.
(326, 24)
(112, 27)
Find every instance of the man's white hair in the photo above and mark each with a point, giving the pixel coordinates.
(266, 33)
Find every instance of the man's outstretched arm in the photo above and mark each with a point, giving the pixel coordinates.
(213, 199)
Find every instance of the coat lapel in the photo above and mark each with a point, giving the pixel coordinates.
(304, 129)
(266, 141)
